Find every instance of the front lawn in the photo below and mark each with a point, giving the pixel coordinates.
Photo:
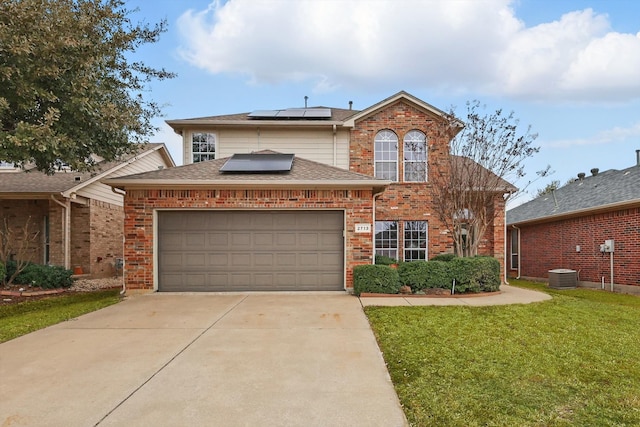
(573, 360)
(20, 319)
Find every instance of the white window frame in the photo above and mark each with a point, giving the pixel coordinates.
(211, 140)
(413, 243)
(514, 254)
(385, 153)
(387, 248)
(415, 153)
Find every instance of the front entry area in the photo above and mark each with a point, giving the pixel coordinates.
(270, 250)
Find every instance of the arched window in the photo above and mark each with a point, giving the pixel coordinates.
(415, 156)
(386, 155)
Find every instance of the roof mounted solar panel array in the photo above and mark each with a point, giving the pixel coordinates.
(258, 163)
(292, 113)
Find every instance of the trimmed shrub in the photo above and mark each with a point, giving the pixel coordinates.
(421, 275)
(3, 272)
(414, 274)
(444, 257)
(378, 279)
(385, 260)
(438, 275)
(475, 274)
(44, 276)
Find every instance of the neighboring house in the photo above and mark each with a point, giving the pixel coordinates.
(358, 184)
(566, 228)
(73, 219)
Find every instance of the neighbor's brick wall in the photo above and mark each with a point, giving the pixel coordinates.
(107, 222)
(553, 245)
(16, 212)
(140, 205)
(412, 201)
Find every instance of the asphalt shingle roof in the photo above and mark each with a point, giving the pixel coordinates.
(593, 192)
(34, 181)
(209, 171)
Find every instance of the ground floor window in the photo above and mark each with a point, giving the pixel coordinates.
(386, 239)
(515, 249)
(415, 241)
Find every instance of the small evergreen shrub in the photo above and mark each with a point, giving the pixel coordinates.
(385, 260)
(438, 275)
(475, 274)
(443, 257)
(414, 274)
(3, 272)
(44, 276)
(379, 279)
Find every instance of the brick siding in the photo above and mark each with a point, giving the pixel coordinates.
(140, 205)
(547, 246)
(412, 201)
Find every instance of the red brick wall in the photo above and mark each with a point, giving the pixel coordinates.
(17, 212)
(140, 205)
(553, 245)
(80, 237)
(106, 233)
(412, 201)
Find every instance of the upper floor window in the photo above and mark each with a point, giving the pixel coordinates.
(386, 155)
(415, 156)
(203, 146)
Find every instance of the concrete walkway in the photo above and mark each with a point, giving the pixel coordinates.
(508, 295)
(202, 360)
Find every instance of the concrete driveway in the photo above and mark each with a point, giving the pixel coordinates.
(207, 360)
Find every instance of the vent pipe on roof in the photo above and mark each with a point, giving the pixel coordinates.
(306, 98)
(637, 157)
(595, 171)
(351, 107)
(581, 176)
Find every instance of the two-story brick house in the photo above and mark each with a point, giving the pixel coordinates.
(355, 184)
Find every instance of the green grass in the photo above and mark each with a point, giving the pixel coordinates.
(20, 319)
(573, 360)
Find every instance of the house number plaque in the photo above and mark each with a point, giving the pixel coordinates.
(363, 228)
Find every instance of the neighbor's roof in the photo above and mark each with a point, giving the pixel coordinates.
(605, 191)
(33, 182)
(304, 173)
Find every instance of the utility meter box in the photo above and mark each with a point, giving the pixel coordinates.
(608, 246)
(563, 278)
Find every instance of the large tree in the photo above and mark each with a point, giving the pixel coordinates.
(68, 88)
(487, 152)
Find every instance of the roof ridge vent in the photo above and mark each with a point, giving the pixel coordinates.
(581, 176)
(595, 171)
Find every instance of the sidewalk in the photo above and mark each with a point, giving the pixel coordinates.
(508, 295)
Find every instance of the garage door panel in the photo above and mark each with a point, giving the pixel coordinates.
(250, 250)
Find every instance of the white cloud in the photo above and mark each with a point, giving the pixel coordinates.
(463, 45)
(608, 136)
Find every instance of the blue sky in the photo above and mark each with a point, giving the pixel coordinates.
(570, 69)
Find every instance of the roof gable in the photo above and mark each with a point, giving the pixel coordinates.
(603, 191)
(27, 183)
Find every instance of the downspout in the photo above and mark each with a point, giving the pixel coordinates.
(335, 148)
(124, 286)
(373, 230)
(66, 225)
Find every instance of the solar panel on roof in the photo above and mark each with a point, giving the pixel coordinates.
(292, 113)
(258, 163)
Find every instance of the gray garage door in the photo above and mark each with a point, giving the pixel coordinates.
(250, 250)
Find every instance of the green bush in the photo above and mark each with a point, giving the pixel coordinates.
(421, 275)
(385, 260)
(475, 274)
(378, 279)
(438, 275)
(443, 257)
(3, 272)
(44, 276)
